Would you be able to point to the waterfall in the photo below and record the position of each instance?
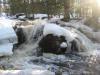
(84, 44)
(37, 32)
(83, 40)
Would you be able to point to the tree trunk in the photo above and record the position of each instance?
(66, 10)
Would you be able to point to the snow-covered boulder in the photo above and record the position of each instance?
(7, 37)
(70, 34)
(56, 39)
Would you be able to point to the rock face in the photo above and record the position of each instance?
(52, 44)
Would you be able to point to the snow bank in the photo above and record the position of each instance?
(6, 49)
(22, 17)
(40, 15)
(58, 31)
(7, 33)
(4, 22)
(7, 37)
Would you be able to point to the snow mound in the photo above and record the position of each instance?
(7, 37)
(6, 49)
(5, 22)
(58, 31)
(70, 34)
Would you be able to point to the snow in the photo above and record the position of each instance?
(39, 16)
(86, 43)
(56, 18)
(5, 22)
(7, 37)
(7, 33)
(83, 32)
(6, 49)
(63, 45)
(22, 17)
(58, 31)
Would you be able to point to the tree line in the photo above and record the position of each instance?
(69, 8)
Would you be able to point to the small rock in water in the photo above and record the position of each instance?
(39, 52)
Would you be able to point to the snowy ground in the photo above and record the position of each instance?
(25, 57)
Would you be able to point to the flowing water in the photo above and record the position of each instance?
(24, 56)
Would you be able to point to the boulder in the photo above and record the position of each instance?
(52, 44)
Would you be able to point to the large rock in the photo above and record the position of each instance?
(53, 44)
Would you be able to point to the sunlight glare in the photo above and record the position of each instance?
(98, 2)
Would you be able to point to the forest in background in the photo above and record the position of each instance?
(75, 8)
